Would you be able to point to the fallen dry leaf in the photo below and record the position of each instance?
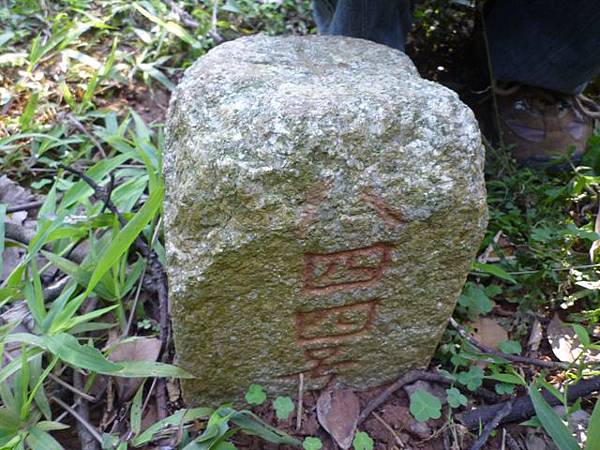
(565, 343)
(488, 332)
(338, 412)
(139, 349)
(535, 337)
(173, 390)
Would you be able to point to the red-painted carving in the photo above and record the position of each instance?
(336, 324)
(345, 270)
(390, 216)
(314, 198)
(323, 364)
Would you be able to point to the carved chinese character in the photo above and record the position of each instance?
(324, 363)
(335, 325)
(345, 270)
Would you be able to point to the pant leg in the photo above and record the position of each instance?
(383, 21)
(553, 44)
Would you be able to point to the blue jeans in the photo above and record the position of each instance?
(553, 44)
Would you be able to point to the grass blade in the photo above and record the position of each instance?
(125, 238)
(551, 422)
(68, 349)
(174, 420)
(144, 369)
(2, 220)
(40, 439)
(593, 432)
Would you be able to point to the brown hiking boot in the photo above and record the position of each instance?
(542, 125)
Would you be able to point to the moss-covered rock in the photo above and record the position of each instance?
(323, 205)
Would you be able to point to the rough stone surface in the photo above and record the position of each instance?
(323, 205)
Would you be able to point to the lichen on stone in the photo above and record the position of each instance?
(323, 205)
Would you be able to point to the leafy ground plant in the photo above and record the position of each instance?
(84, 282)
(84, 332)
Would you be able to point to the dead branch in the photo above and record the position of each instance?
(512, 358)
(53, 291)
(522, 407)
(24, 207)
(492, 425)
(99, 192)
(407, 378)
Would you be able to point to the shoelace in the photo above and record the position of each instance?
(588, 106)
(584, 104)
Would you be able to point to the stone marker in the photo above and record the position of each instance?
(323, 206)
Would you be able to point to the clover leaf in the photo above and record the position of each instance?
(283, 407)
(312, 443)
(455, 398)
(472, 379)
(362, 441)
(256, 395)
(475, 300)
(510, 347)
(504, 388)
(424, 406)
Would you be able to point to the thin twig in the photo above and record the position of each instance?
(513, 358)
(185, 18)
(390, 429)
(66, 413)
(86, 438)
(135, 303)
(214, 32)
(492, 425)
(109, 190)
(555, 269)
(71, 118)
(73, 389)
(416, 375)
(24, 207)
(78, 417)
(300, 402)
(99, 192)
(149, 395)
(512, 443)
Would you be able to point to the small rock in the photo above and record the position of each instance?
(419, 429)
(578, 422)
(538, 441)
